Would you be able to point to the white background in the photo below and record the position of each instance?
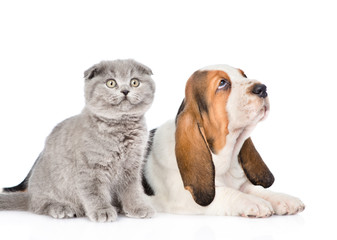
(45, 46)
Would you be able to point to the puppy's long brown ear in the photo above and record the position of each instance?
(194, 159)
(255, 169)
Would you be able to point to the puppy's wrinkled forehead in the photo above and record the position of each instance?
(206, 81)
(233, 73)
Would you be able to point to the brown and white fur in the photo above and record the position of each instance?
(204, 161)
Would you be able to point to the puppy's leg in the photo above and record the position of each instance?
(133, 201)
(232, 202)
(283, 204)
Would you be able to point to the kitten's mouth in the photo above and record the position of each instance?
(124, 100)
(128, 101)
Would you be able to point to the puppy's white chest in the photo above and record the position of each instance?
(229, 172)
(222, 164)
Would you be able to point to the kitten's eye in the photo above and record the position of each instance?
(134, 82)
(111, 83)
(224, 83)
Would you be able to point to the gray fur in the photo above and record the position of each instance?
(91, 163)
(14, 201)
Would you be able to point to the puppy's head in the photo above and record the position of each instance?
(218, 100)
(229, 96)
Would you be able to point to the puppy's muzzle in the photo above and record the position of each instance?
(260, 90)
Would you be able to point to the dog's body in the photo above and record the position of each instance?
(208, 150)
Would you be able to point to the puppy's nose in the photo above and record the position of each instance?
(125, 92)
(260, 90)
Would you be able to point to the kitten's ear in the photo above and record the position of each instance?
(142, 68)
(146, 69)
(91, 72)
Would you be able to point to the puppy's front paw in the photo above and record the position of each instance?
(255, 207)
(140, 212)
(284, 204)
(103, 215)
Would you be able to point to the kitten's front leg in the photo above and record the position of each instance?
(96, 199)
(133, 201)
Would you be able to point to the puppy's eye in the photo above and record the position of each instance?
(134, 82)
(224, 83)
(111, 83)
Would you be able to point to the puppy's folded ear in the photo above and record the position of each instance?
(194, 159)
(255, 169)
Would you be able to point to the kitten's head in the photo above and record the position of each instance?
(118, 88)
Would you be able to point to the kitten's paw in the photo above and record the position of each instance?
(60, 211)
(255, 207)
(103, 215)
(284, 204)
(140, 212)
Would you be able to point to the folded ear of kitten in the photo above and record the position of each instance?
(91, 163)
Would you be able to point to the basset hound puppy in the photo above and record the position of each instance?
(204, 162)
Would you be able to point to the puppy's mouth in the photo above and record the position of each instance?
(265, 110)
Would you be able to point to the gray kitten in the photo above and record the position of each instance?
(91, 163)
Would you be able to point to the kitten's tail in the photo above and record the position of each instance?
(24, 184)
(14, 201)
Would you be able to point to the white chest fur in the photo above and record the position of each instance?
(228, 171)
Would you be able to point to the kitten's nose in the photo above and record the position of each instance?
(125, 92)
